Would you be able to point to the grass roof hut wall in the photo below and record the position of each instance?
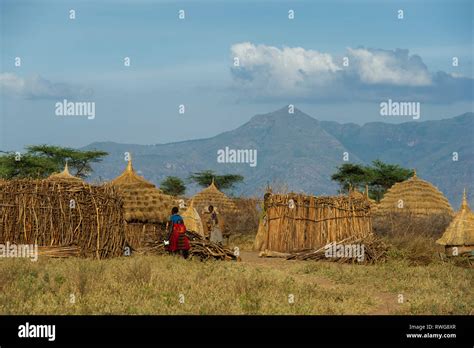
(224, 206)
(295, 222)
(58, 213)
(459, 236)
(212, 196)
(146, 207)
(414, 205)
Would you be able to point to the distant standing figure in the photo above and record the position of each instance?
(177, 241)
(215, 230)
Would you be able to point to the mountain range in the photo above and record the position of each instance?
(299, 153)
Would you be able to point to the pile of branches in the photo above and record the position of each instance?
(200, 248)
(375, 251)
(59, 251)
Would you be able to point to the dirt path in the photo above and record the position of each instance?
(388, 303)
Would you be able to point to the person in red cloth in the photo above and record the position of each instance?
(177, 242)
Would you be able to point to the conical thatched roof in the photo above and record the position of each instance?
(461, 230)
(130, 177)
(64, 176)
(192, 220)
(212, 196)
(419, 198)
(142, 201)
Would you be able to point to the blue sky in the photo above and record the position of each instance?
(190, 61)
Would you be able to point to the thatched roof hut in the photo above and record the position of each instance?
(460, 232)
(143, 201)
(212, 196)
(64, 176)
(414, 196)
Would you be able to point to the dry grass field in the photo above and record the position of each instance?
(170, 285)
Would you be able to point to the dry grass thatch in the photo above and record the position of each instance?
(64, 176)
(64, 213)
(143, 201)
(416, 197)
(460, 231)
(212, 196)
(295, 222)
(192, 220)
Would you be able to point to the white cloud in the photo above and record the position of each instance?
(37, 87)
(272, 72)
(288, 69)
(11, 83)
(389, 67)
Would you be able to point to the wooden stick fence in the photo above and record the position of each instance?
(49, 213)
(297, 222)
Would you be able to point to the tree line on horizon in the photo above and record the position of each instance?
(40, 161)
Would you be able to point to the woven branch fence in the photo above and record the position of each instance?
(49, 213)
(138, 235)
(295, 222)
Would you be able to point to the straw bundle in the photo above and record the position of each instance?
(416, 197)
(297, 222)
(212, 196)
(460, 232)
(62, 213)
(192, 220)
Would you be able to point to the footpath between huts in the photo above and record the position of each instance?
(386, 302)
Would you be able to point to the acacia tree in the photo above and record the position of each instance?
(351, 175)
(383, 176)
(379, 177)
(173, 186)
(223, 182)
(40, 161)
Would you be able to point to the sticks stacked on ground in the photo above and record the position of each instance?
(59, 251)
(200, 247)
(374, 250)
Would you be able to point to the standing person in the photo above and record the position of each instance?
(215, 230)
(177, 241)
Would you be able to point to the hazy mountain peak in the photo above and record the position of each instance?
(282, 117)
(302, 153)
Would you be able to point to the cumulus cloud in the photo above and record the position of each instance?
(287, 68)
(389, 67)
(37, 87)
(272, 72)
